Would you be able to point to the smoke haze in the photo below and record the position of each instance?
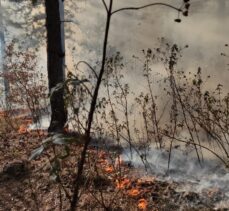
(205, 31)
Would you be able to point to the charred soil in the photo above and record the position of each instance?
(108, 182)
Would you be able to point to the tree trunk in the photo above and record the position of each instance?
(56, 61)
(2, 69)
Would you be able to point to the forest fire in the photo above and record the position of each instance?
(18, 116)
(104, 162)
(23, 128)
(109, 169)
(122, 184)
(124, 120)
(142, 204)
(134, 192)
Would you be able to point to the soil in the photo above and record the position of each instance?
(108, 183)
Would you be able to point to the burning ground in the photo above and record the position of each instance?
(110, 181)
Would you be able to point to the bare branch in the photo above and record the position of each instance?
(91, 68)
(88, 90)
(199, 145)
(145, 6)
(105, 5)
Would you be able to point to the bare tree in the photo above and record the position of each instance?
(183, 9)
(56, 61)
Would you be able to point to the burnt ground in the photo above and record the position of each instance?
(108, 183)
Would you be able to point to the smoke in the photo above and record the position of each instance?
(204, 31)
(42, 124)
(185, 169)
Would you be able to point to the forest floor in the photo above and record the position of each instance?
(107, 184)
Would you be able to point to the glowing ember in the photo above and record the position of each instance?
(123, 183)
(142, 204)
(22, 129)
(134, 192)
(108, 169)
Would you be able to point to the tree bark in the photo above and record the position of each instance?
(3, 70)
(56, 62)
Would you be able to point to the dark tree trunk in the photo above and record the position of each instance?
(56, 62)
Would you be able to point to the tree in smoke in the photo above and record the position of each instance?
(110, 12)
(56, 61)
(31, 26)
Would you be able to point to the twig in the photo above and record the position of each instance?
(196, 144)
(91, 68)
(60, 198)
(77, 181)
(145, 6)
(105, 5)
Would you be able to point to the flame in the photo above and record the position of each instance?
(102, 159)
(134, 192)
(142, 204)
(108, 169)
(123, 183)
(22, 129)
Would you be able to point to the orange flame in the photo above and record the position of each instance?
(22, 129)
(134, 192)
(142, 204)
(108, 169)
(123, 183)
